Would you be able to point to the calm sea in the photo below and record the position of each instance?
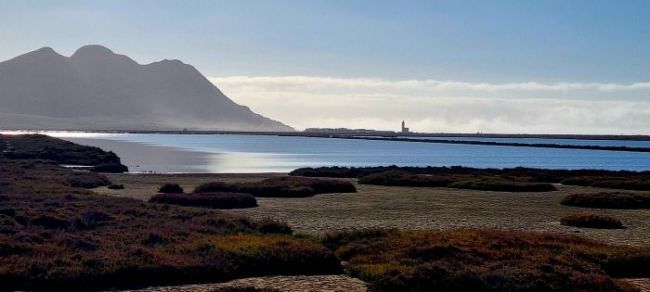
(255, 153)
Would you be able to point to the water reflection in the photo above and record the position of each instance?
(250, 153)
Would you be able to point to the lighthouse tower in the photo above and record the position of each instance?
(405, 130)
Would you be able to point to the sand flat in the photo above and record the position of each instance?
(408, 207)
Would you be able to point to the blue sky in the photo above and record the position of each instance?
(477, 42)
(495, 41)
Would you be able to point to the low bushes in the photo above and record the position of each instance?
(402, 178)
(608, 200)
(503, 186)
(55, 237)
(530, 174)
(271, 226)
(588, 220)
(209, 200)
(629, 180)
(281, 187)
(625, 183)
(87, 180)
(482, 260)
(116, 187)
(171, 189)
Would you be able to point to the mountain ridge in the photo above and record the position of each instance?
(97, 89)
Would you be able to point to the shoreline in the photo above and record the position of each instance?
(623, 137)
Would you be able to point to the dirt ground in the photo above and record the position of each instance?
(329, 283)
(408, 208)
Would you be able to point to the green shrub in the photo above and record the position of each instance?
(588, 220)
(608, 200)
(209, 200)
(170, 189)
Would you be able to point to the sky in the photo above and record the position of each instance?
(443, 66)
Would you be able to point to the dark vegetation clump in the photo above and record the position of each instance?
(209, 200)
(171, 189)
(608, 200)
(485, 260)
(630, 180)
(110, 168)
(499, 184)
(531, 174)
(41, 147)
(402, 178)
(588, 220)
(292, 187)
(623, 183)
(271, 226)
(116, 187)
(87, 180)
(56, 236)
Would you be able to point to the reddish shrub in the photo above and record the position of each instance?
(481, 260)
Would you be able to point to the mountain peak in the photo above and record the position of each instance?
(101, 55)
(44, 54)
(92, 51)
(44, 51)
(43, 89)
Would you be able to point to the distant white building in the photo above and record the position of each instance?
(405, 130)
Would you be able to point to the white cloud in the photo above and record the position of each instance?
(449, 106)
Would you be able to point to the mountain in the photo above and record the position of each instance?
(96, 89)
